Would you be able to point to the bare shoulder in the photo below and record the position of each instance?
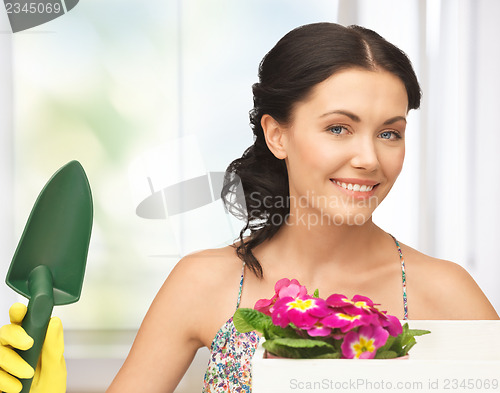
(181, 319)
(440, 289)
(205, 272)
(208, 283)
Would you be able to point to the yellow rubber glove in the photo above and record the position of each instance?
(11, 364)
(50, 374)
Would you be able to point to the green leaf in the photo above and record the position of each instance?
(247, 319)
(386, 355)
(295, 349)
(418, 332)
(279, 350)
(406, 339)
(273, 331)
(338, 345)
(316, 293)
(396, 345)
(329, 355)
(388, 344)
(301, 343)
(403, 338)
(408, 346)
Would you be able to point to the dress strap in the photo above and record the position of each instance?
(241, 285)
(403, 276)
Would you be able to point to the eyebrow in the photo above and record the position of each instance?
(357, 119)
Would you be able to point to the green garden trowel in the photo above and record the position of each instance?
(49, 262)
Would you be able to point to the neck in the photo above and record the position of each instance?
(310, 249)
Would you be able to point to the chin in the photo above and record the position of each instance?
(351, 219)
(340, 218)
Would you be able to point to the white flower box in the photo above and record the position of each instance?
(458, 356)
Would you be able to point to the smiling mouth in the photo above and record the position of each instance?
(354, 187)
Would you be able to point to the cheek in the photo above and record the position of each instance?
(308, 155)
(323, 153)
(393, 163)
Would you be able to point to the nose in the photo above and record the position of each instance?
(364, 154)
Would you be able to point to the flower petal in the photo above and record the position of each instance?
(284, 282)
(363, 344)
(336, 300)
(393, 326)
(265, 305)
(318, 330)
(363, 299)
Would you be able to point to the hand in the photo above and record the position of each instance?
(50, 374)
(11, 364)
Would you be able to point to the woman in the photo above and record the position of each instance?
(329, 121)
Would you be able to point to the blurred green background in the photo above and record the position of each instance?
(109, 82)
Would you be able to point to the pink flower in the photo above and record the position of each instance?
(304, 312)
(358, 305)
(357, 321)
(363, 303)
(391, 324)
(292, 288)
(283, 288)
(265, 305)
(345, 321)
(338, 301)
(388, 322)
(363, 344)
(319, 330)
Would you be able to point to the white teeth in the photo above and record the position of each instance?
(355, 187)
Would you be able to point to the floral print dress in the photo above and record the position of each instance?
(231, 352)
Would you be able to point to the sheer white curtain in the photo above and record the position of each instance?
(461, 138)
(483, 180)
(7, 296)
(446, 197)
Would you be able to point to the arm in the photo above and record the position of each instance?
(168, 337)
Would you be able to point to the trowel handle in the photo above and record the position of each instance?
(37, 318)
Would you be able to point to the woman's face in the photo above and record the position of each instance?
(345, 145)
